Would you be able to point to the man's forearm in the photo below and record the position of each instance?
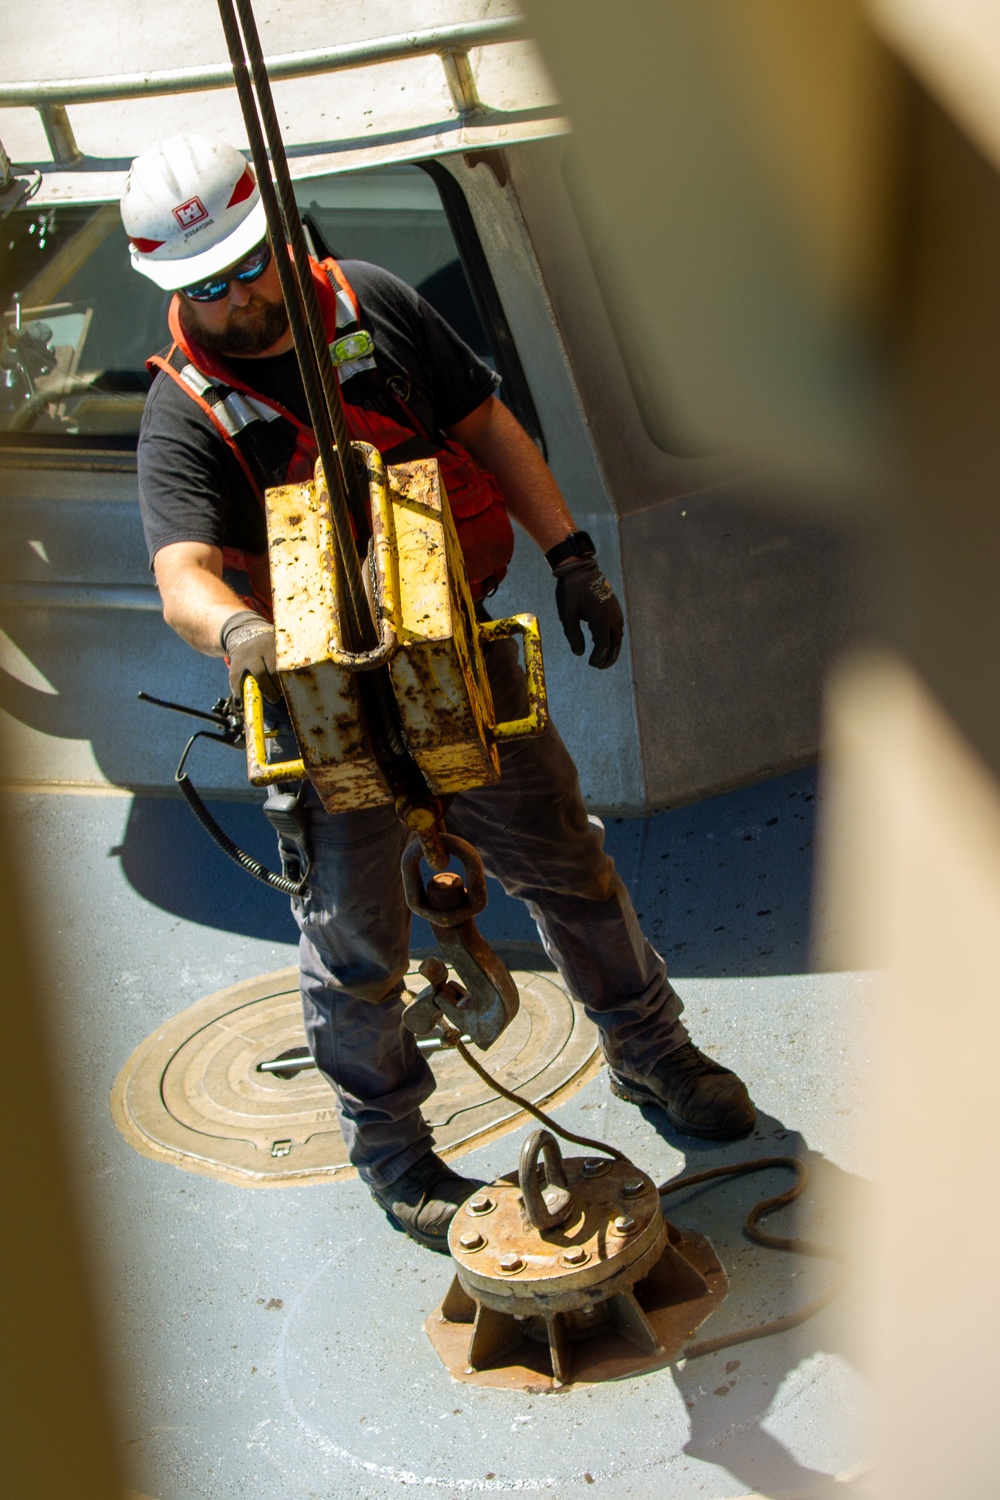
(496, 439)
(200, 619)
(196, 600)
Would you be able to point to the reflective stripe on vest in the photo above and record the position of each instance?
(234, 410)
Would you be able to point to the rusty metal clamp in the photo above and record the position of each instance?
(537, 719)
(385, 593)
(449, 905)
(552, 1205)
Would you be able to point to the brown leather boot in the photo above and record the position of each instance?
(424, 1200)
(699, 1096)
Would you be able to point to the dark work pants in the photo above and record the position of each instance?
(534, 835)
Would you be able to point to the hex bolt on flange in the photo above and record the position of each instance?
(568, 1286)
(595, 1166)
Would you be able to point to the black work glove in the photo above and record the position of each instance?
(583, 593)
(248, 641)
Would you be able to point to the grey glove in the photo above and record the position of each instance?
(584, 594)
(248, 641)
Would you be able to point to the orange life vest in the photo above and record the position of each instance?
(273, 447)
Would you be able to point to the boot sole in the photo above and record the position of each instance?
(439, 1244)
(636, 1093)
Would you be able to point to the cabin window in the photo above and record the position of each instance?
(77, 326)
(78, 323)
(414, 221)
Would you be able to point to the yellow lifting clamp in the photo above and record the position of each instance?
(382, 669)
(429, 642)
(429, 639)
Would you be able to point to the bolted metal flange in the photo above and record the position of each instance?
(599, 1279)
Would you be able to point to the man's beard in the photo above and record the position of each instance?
(250, 330)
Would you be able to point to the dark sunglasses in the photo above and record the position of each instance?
(255, 264)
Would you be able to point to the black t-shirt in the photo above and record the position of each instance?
(191, 487)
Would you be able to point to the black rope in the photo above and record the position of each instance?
(772, 1241)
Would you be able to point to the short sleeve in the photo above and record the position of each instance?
(190, 486)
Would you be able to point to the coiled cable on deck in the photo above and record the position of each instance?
(770, 1241)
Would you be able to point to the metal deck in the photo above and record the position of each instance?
(270, 1342)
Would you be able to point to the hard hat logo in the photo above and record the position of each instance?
(191, 213)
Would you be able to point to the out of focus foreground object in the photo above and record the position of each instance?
(823, 250)
(732, 171)
(57, 1438)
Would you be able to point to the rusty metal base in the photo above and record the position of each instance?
(685, 1286)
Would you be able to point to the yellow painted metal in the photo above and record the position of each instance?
(438, 674)
(537, 718)
(261, 771)
(318, 674)
(428, 637)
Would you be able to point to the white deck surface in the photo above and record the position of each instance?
(269, 1342)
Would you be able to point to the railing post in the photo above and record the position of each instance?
(14, 190)
(59, 134)
(461, 83)
(6, 173)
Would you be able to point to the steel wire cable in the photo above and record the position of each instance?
(451, 1038)
(351, 478)
(293, 275)
(321, 386)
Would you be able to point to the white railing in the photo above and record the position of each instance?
(451, 43)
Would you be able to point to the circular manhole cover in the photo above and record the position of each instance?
(192, 1094)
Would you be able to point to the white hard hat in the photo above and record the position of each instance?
(191, 208)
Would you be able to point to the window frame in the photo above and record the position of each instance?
(487, 299)
(16, 445)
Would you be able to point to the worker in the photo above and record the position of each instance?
(226, 417)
